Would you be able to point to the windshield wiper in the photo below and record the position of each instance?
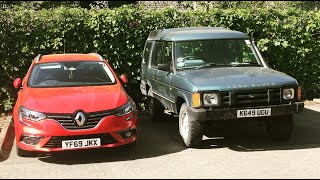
(209, 65)
(246, 64)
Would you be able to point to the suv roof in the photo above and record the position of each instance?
(195, 33)
(68, 57)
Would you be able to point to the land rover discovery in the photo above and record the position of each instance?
(209, 75)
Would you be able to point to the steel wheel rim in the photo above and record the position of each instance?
(185, 125)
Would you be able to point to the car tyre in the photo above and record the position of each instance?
(23, 153)
(191, 131)
(131, 145)
(155, 108)
(280, 127)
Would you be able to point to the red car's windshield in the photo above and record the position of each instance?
(63, 74)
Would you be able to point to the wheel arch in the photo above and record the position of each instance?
(180, 99)
(147, 88)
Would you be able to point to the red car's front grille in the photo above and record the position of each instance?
(68, 122)
(56, 141)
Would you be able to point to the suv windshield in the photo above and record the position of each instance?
(215, 53)
(61, 74)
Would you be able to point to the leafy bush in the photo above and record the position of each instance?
(289, 39)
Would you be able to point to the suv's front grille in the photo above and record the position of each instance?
(56, 141)
(67, 121)
(251, 97)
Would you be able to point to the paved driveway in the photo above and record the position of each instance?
(244, 153)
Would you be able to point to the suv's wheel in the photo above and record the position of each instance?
(155, 108)
(190, 131)
(23, 153)
(280, 127)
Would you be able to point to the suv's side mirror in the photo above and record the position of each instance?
(255, 35)
(164, 67)
(123, 79)
(17, 83)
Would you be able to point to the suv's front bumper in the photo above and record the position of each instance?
(231, 113)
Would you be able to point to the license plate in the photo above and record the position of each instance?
(81, 143)
(254, 112)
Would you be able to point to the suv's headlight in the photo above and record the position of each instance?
(210, 99)
(126, 109)
(288, 93)
(30, 115)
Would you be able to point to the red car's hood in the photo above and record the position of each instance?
(70, 99)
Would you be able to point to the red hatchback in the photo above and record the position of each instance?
(72, 101)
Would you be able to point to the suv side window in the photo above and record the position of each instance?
(157, 54)
(146, 52)
(167, 54)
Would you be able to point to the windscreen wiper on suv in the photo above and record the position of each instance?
(245, 64)
(209, 65)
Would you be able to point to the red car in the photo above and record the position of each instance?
(72, 101)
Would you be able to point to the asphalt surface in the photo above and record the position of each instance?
(245, 152)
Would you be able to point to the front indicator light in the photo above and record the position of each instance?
(196, 101)
(299, 93)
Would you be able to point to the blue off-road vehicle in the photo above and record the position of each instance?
(212, 75)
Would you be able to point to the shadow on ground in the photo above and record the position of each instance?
(162, 138)
(6, 139)
(155, 139)
(252, 137)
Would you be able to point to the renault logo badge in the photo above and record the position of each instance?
(80, 118)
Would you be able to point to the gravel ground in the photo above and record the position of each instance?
(2, 120)
(315, 101)
(243, 153)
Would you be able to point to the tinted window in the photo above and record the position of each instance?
(70, 74)
(167, 53)
(157, 54)
(147, 51)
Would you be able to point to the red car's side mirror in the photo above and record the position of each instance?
(123, 78)
(17, 83)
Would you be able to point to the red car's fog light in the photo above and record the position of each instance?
(30, 140)
(127, 133)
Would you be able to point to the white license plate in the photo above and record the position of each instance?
(81, 143)
(254, 112)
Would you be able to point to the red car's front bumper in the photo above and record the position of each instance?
(110, 129)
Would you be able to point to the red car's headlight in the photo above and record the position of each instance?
(30, 115)
(127, 108)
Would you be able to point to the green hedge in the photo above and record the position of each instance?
(289, 39)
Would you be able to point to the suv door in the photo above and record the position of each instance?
(164, 75)
(156, 54)
(145, 75)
